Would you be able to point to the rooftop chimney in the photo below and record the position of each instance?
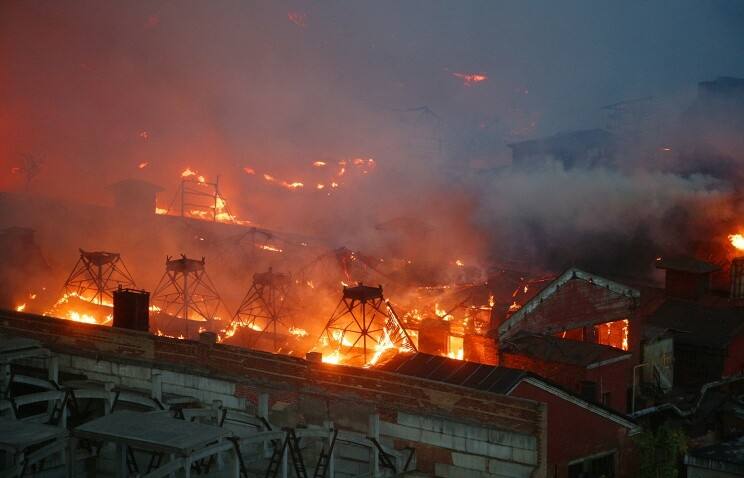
(132, 309)
(686, 277)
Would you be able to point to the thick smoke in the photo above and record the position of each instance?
(90, 90)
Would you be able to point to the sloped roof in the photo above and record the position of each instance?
(556, 349)
(489, 378)
(456, 372)
(686, 264)
(697, 324)
(552, 288)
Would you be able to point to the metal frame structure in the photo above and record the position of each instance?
(99, 272)
(185, 291)
(193, 193)
(267, 301)
(363, 314)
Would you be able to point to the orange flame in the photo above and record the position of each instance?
(737, 240)
(470, 79)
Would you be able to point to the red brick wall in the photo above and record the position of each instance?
(613, 378)
(576, 304)
(574, 433)
(568, 376)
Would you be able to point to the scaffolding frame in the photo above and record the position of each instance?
(99, 272)
(185, 291)
(267, 300)
(363, 314)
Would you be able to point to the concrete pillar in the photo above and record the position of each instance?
(53, 372)
(263, 412)
(109, 388)
(4, 380)
(332, 456)
(157, 387)
(374, 454)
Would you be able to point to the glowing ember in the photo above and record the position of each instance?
(298, 18)
(268, 247)
(319, 164)
(143, 164)
(249, 170)
(160, 333)
(20, 308)
(459, 263)
(514, 307)
(470, 79)
(737, 240)
(187, 173)
(161, 211)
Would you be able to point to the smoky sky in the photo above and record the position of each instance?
(95, 88)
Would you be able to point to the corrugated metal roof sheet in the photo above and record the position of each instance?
(455, 372)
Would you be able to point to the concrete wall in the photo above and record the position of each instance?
(455, 431)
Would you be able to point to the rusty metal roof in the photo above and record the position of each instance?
(455, 372)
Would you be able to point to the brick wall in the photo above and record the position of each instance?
(458, 429)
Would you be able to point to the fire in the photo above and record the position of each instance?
(249, 170)
(459, 263)
(339, 337)
(380, 348)
(160, 333)
(737, 240)
(161, 211)
(470, 79)
(20, 308)
(143, 164)
(285, 184)
(296, 331)
(319, 164)
(333, 358)
(441, 313)
(625, 335)
(86, 318)
(514, 307)
(268, 247)
(187, 173)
